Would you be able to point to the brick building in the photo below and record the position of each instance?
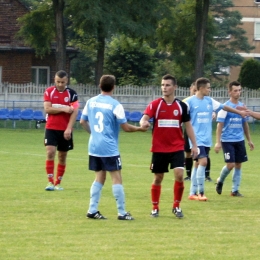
(18, 63)
(250, 10)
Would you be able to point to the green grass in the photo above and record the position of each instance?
(35, 224)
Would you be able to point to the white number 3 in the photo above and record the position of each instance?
(100, 127)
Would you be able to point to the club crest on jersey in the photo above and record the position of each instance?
(66, 99)
(175, 112)
(208, 107)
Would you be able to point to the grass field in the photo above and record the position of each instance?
(35, 224)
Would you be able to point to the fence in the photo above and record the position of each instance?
(134, 96)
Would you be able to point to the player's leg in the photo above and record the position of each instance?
(188, 157)
(240, 157)
(207, 170)
(194, 185)
(229, 157)
(63, 147)
(177, 163)
(95, 164)
(159, 165)
(50, 147)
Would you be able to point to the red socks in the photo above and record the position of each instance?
(178, 189)
(60, 173)
(155, 195)
(49, 166)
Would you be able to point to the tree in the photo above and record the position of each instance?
(187, 25)
(130, 61)
(201, 21)
(44, 25)
(249, 74)
(101, 20)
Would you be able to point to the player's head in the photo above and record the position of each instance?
(203, 86)
(61, 79)
(233, 83)
(107, 83)
(193, 89)
(234, 89)
(170, 77)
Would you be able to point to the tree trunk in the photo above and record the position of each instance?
(58, 7)
(100, 53)
(202, 10)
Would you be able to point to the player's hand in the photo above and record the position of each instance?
(217, 147)
(251, 145)
(194, 152)
(68, 109)
(241, 108)
(67, 134)
(145, 125)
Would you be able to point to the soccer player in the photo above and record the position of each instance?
(201, 107)
(188, 156)
(61, 106)
(230, 136)
(102, 117)
(167, 149)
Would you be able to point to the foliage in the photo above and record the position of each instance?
(249, 74)
(176, 35)
(38, 28)
(130, 61)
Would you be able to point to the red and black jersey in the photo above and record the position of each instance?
(59, 99)
(167, 128)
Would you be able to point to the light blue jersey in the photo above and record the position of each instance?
(201, 118)
(105, 115)
(233, 130)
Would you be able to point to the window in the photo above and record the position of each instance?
(257, 31)
(40, 75)
(222, 71)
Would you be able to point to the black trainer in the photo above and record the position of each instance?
(96, 215)
(219, 186)
(187, 178)
(177, 212)
(154, 213)
(208, 179)
(236, 194)
(127, 216)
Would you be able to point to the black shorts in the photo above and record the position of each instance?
(186, 142)
(161, 161)
(203, 151)
(105, 163)
(56, 138)
(234, 152)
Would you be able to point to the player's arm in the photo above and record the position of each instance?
(254, 114)
(85, 125)
(71, 123)
(217, 147)
(248, 137)
(242, 113)
(49, 109)
(191, 135)
(132, 128)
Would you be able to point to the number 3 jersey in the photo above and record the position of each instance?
(167, 128)
(105, 115)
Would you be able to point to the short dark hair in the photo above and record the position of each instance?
(61, 74)
(172, 78)
(201, 82)
(233, 83)
(107, 82)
